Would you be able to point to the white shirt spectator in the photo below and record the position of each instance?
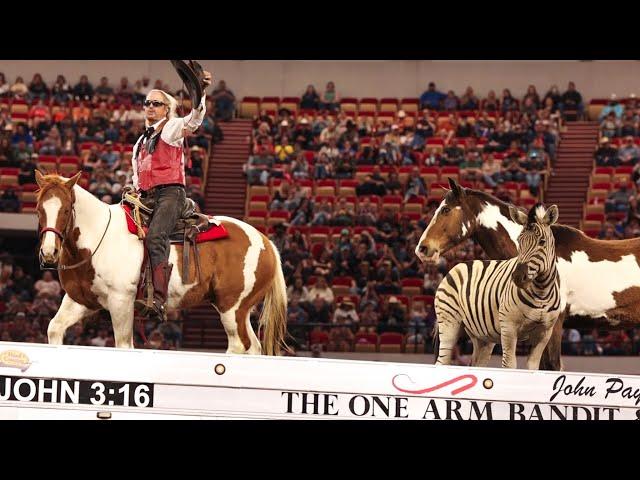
(325, 293)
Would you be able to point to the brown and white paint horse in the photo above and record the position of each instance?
(600, 280)
(237, 272)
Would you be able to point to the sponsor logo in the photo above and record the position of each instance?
(15, 359)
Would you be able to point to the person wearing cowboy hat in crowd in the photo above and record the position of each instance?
(163, 144)
(605, 155)
(613, 106)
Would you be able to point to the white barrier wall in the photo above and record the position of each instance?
(359, 77)
(43, 381)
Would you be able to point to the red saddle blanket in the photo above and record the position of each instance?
(214, 232)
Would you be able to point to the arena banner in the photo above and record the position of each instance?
(45, 381)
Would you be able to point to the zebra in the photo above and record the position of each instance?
(503, 300)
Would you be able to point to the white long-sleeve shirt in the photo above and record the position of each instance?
(172, 133)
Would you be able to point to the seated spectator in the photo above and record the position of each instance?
(259, 168)
(628, 153)
(39, 112)
(471, 167)
(491, 103)
(610, 126)
(319, 311)
(310, 99)
(572, 100)
(83, 90)
(605, 155)
(532, 95)
(629, 125)
(345, 313)
(369, 317)
(124, 93)
(101, 184)
(49, 285)
(367, 212)
(323, 265)
(453, 154)
(343, 214)
(512, 171)
(295, 313)
(22, 135)
(302, 134)
(283, 150)
(618, 200)
(431, 98)
(280, 238)
(491, 171)
(9, 201)
(508, 102)
(322, 290)
(224, 101)
(4, 86)
(37, 88)
(142, 89)
(19, 89)
(340, 338)
(323, 167)
(27, 173)
(303, 212)
(298, 291)
(469, 101)
(415, 186)
(110, 156)
(451, 102)
(552, 98)
(612, 107)
(330, 100)
(393, 317)
(103, 92)
(535, 169)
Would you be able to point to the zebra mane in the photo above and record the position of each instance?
(537, 213)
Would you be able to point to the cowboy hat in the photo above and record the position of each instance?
(192, 76)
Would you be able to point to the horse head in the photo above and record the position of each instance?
(55, 211)
(453, 221)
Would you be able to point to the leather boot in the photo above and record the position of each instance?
(160, 276)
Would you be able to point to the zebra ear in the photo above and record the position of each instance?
(517, 215)
(552, 215)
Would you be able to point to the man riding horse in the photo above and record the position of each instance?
(159, 172)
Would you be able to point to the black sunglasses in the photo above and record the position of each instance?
(155, 103)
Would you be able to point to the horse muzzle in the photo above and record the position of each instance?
(49, 261)
(427, 254)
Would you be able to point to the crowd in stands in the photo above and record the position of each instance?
(64, 128)
(617, 170)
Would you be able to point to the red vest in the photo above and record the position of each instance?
(164, 166)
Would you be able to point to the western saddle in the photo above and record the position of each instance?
(189, 225)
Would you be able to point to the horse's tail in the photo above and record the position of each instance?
(273, 318)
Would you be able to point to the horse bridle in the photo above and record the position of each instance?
(62, 237)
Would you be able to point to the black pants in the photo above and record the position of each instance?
(169, 203)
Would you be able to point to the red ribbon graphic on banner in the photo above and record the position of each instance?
(472, 381)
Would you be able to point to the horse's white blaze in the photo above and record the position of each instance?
(589, 286)
(51, 208)
(250, 259)
(426, 230)
(490, 217)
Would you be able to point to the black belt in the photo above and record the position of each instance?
(152, 191)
